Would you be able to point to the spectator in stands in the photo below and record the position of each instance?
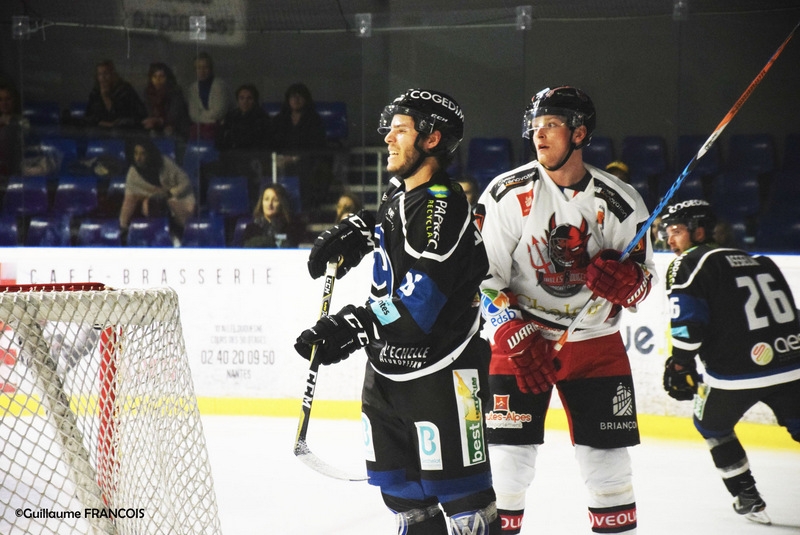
(620, 170)
(273, 225)
(299, 131)
(347, 205)
(298, 125)
(208, 99)
(155, 186)
(11, 132)
(113, 102)
(470, 187)
(724, 235)
(167, 111)
(245, 137)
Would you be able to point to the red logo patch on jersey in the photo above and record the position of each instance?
(501, 402)
(525, 202)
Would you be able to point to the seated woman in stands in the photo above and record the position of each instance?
(155, 186)
(113, 102)
(167, 112)
(273, 224)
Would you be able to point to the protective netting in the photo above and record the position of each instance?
(99, 426)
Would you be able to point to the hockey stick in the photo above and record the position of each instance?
(301, 449)
(688, 169)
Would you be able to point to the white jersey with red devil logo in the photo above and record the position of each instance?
(540, 238)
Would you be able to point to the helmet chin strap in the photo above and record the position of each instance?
(563, 160)
(416, 165)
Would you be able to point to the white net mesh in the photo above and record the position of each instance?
(99, 426)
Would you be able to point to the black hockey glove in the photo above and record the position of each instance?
(681, 384)
(336, 336)
(351, 239)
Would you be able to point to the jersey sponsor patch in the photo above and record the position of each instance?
(495, 307)
(385, 311)
(616, 204)
(473, 442)
(430, 446)
(503, 417)
(761, 353)
(369, 445)
(525, 202)
(510, 183)
(439, 191)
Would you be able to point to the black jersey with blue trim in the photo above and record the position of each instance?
(737, 312)
(428, 265)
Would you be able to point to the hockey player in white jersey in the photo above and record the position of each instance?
(553, 230)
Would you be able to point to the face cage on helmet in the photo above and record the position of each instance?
(572, 118)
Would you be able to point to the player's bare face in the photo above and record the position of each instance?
(679, 239)
(551, 138)
(400, 142)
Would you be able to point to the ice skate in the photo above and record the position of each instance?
(750, 504)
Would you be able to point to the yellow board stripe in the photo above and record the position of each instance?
(650, 426)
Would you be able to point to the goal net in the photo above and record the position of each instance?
(99, 426)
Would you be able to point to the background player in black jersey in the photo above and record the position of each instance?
(737, 313)
(426, 381)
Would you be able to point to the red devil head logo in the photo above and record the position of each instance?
(568, 243)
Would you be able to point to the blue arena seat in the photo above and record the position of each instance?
(227, 196)
(9, 230)
(99, 233)
(735, 195)
(26, 196)
(65, 149)
(709, 164)
(238, 231)
(76, 196)
(600, 152)
(334, 116)
(149, 232)
(488, 157)
(105, 147)
(42, 113)
(272, 108)
(166, 145)
(779, 230)
(49, 231)
(791, 152)
(645, 154)
(196, 154)
(752, 152)
(292, 186)
(204, 231)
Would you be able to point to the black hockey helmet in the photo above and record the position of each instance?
(694, 213)
(566, 101)
(431, 110)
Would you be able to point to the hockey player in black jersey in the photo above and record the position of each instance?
(736, 312)
(426, 380)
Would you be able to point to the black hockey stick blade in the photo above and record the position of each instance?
(645, 228)
(301, 449)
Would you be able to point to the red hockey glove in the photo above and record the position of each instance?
(621, 283)
(529, 355)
